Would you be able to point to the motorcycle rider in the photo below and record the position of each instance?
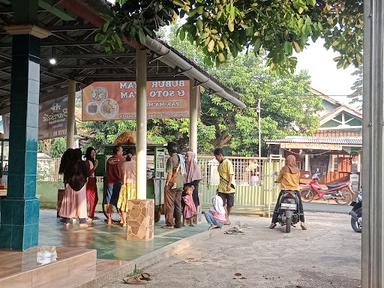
(289, 179)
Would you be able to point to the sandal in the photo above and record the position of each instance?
(167, 227)
(145, 276)
(134, 280)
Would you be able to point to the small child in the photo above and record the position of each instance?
(216, 215)
(189, 211)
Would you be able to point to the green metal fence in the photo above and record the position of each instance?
(256, 190)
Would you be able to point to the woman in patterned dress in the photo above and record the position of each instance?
(128, 189)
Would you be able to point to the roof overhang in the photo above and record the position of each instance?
(81, 58)
(172, 57)
(317, 143)
(311, 146)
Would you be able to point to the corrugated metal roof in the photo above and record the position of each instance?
(318, 140)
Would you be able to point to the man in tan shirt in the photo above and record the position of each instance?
(226, 188)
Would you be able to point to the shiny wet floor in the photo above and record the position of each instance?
(109, 241)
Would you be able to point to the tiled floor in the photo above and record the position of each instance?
(75, 264)
(109, 241)
(24, 269)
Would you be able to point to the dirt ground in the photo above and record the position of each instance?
(327, 255)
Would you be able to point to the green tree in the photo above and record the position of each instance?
(99, 133)
(228, 27)
(59, 145)
(53, 147)
(357, 95)
(287, 106)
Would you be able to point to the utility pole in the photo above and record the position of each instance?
(259, 123)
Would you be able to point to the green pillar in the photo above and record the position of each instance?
(19, 227)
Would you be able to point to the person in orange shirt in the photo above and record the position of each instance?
(289, 179)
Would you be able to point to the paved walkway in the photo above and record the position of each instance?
(326, 207)
(325, 256)
(109, 241)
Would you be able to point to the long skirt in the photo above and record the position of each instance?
(74, 203)
(92, 197)
(127, 192)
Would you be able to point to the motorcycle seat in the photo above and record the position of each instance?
(337, 184)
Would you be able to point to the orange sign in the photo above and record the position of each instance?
(116, 100)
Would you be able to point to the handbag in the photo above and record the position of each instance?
(172, 181)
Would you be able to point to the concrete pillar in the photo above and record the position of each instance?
(194, 115)
(141, 123)
(372, 257)
(71, 113)
(141, 211)
(306, 163)
(19, 227)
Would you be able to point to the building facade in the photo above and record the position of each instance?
(334, 150)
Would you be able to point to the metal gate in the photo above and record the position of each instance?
(256, 191)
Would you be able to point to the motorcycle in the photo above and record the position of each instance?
(288, 214)
(357, 213)
(341, 192)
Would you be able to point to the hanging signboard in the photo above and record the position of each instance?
(52, 119)
(116, 100)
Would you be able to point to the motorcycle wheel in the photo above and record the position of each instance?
(354, 223)
(306, 195)
(346, 197)
(288, 225)
(288, 221)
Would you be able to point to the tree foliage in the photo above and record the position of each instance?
(357, 95)
(287, 108)
(224, 28)
(53, 147)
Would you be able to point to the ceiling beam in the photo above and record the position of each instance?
(71, 28)
(108, 77)
(57, 44)
(57, 11)
(87, 67)
(97, 55)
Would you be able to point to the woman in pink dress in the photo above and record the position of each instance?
(75, 172)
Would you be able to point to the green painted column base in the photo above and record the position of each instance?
(19, 223)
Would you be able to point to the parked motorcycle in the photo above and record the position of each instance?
(357, 213)
(341, 192)
(288, 211)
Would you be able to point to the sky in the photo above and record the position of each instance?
(326, 78)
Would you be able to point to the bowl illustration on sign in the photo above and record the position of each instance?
(109, 108)
(92, 108)
(99, 94)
